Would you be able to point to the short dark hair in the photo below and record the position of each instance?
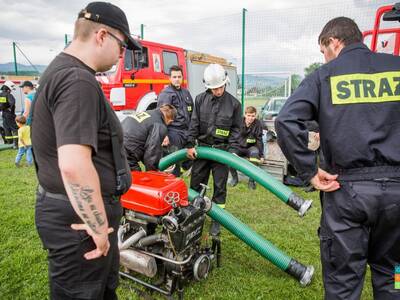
(168, 111)
(175, 68)
(20, 119)
(341, 28)
(250, 110)
(84, 28)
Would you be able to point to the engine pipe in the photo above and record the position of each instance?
(283, 192)
(151, 239)
(131, 240)
(265, 248)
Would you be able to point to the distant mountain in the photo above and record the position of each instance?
(262, 80)
(9, 67)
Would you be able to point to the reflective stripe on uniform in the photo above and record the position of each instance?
(149, 81)
(254, 159)
(365, 88)
(140, 117)
(3, 99)
(250, 141)
(10, 137)
(222, 132)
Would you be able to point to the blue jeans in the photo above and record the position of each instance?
(24, 150)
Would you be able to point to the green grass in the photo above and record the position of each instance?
(244, 274)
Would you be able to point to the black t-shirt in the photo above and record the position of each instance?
(70, 109)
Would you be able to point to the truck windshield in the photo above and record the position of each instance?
(277, 104)
(128, 63)
(132, 59)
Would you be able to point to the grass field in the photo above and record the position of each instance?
(244, 274)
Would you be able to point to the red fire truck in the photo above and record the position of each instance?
(387, 39)
(139, 76)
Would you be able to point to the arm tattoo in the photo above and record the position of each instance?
(82, 195)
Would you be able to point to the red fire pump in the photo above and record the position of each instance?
(160, 235)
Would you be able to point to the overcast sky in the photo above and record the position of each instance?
(281, 34)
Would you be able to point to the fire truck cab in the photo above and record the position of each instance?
(385, 37)
(139, 76)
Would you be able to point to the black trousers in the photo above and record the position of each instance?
(177, 141)
(360, 225)
(201, 172)
(251, 152)
(71, 276)
(10, 128)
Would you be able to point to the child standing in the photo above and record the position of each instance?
(24, 141)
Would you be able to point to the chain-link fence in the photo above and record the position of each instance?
(279, 43)
(260, 87)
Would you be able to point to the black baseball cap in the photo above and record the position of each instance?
(110, 15)
(26, 83)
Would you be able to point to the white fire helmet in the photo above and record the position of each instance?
(9, 84)
(215, 76)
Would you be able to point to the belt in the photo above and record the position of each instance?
(106, 198)
(43, 192)
(368, 173)
(216, 146)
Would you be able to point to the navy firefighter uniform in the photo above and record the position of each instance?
(355, 98)
(178, 130)
(183, 102)
(215, 123)
(250, 142)
(143, 135)
(249, 145)
(7, 108)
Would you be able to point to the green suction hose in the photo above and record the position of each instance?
(265, 248)
(263, 178)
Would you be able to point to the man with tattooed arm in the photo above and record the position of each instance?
(77, 142)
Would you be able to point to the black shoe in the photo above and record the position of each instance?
(215, 228)
(233, 182)
(309, 189)
(252, 184)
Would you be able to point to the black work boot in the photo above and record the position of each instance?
(15, 140)
(309, 189)
(215, 228)
(233, 181)
(252, 184)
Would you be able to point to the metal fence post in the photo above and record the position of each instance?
(243, 51)
(15, 59)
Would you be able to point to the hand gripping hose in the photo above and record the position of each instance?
(263, 178)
